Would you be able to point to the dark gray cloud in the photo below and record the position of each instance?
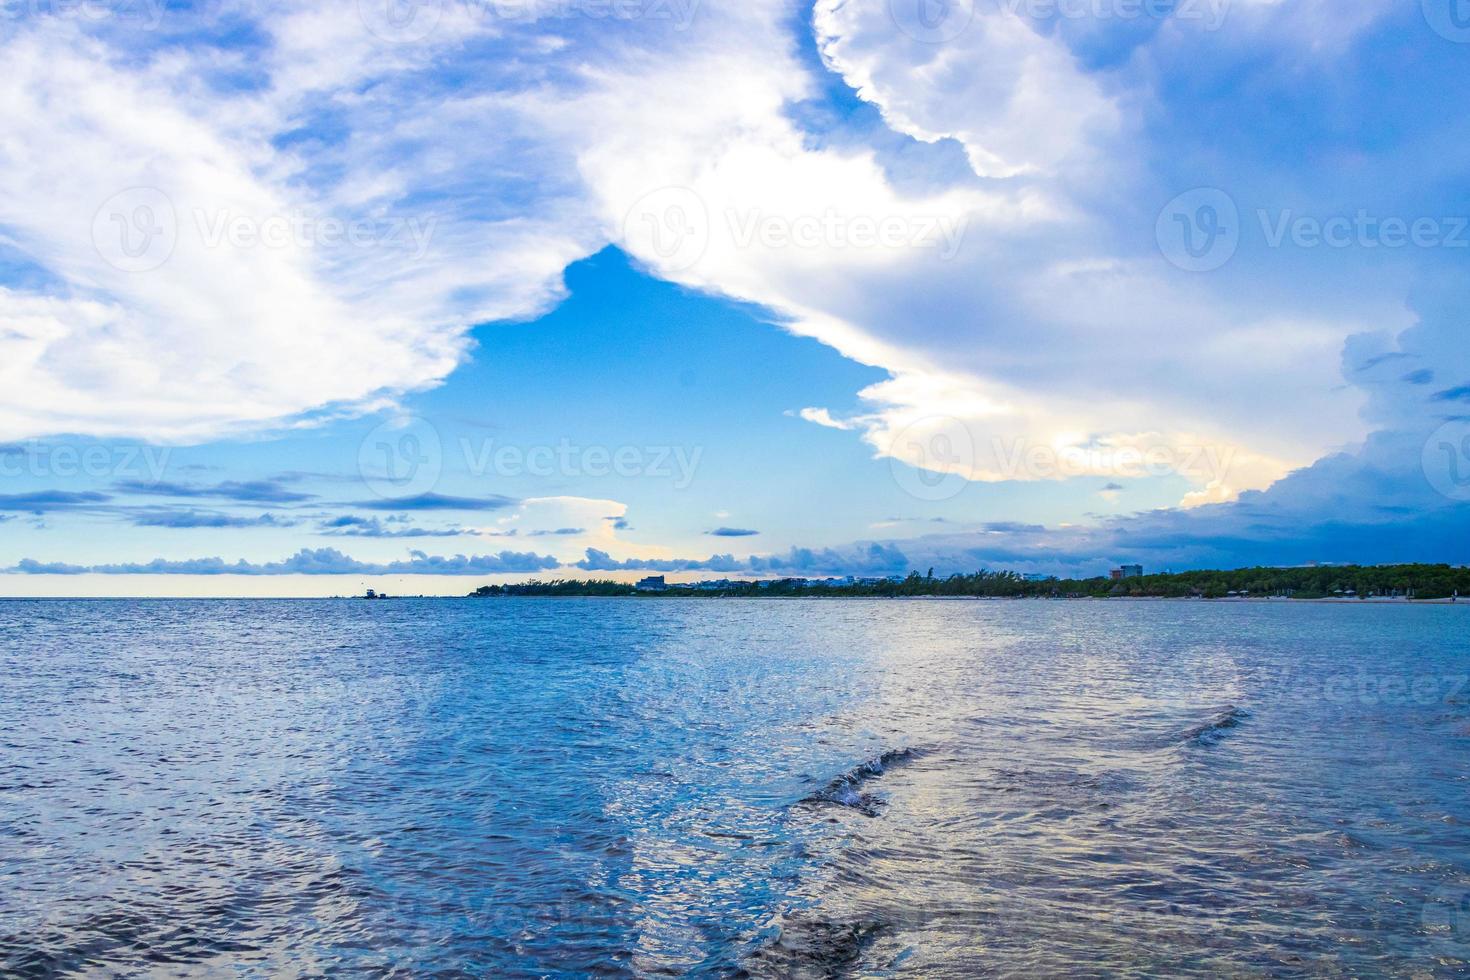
(601, 561)
(244, 492)
(732, 532)
(320, 561)
(869, 558)
(436, 501)
(194, 518)
(41, 501)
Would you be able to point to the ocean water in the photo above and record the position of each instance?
(631, 788)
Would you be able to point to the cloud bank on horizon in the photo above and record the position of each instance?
(1222, 242)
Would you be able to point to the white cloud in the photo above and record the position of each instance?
(203, 280)
(1018, 102)
(1026, 302)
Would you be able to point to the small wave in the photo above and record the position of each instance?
(816, 948)
(847, 789)
(1216, 728)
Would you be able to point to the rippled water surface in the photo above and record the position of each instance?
(613, 787)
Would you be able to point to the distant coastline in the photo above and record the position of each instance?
(1387, 584)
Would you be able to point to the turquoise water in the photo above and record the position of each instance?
(611, 787)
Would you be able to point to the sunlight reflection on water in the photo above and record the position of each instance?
(563, 787)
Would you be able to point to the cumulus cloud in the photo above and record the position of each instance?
(208, 271)
(1029, 316)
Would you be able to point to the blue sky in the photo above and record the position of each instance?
(421, 295)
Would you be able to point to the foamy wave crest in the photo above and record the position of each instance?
(847, 789)
(1217, 727)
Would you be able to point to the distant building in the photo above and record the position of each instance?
(654, 583)
(1127, 571)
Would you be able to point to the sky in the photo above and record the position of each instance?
(305, 298)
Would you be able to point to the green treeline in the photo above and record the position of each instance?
(1418, 581)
